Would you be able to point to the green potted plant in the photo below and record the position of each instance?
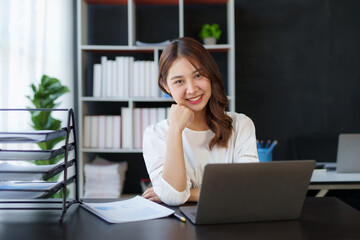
(210, 33)
(44, 97)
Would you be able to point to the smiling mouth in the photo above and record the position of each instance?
(195, 99)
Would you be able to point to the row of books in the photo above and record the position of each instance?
(104, 179)
(124, 77)
(125, 131)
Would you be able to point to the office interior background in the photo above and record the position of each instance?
(297, 71)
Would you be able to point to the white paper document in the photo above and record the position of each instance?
(23, 189)
(131, 210)
(11, 172)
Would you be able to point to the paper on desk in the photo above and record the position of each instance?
(131, 210)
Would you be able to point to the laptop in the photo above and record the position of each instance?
(251, 192)
(348, 155)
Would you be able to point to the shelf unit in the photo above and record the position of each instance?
(112, 28)
(25, 187)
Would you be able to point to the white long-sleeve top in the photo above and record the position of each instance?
(241, 148)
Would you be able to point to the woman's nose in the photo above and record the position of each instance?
(191, 87)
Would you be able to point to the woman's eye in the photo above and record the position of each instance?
(178, 81)
(197, 76)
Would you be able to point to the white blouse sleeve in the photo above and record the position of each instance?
(245, 140)
(154, 147)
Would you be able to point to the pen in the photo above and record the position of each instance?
(258, 144)
(180, 218)
(268, 143)
(273, 145)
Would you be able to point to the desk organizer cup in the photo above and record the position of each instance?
(265, 151)
(265, 155)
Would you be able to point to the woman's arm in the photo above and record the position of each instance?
(174, 171)
(151, 195)
(245, 144)
(194, 195)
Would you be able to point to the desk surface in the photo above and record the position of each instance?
(321, 218)
(320, 176)
(325, 180)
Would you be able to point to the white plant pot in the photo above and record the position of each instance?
(210, 41)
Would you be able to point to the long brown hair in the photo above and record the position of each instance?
(217, 119)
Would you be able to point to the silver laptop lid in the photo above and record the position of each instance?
(348, 155)
(251, 192)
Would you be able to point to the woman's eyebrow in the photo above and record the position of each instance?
(180, 76)
(175, 77)
(199, 70)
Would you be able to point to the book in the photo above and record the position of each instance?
(116, 132)
(137, 126)
(128, 77)
(153, 116)
(94, 134)
(154, 80)
(135, 87)
(147, 78)
(145, 121)
(126, 126)
(97, 80)
(109, 78)
(103, 75)
(161, 114)
(130, 210)
(141, 81)
(87, 131)
(114, 80)
(109, 131)
(101, 131)
(120, 65)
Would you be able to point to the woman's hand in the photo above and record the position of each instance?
(151, 195)
(179, 117)
(194, 195)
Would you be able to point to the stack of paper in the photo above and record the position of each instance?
(104, 179)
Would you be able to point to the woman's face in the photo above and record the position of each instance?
(187, 86)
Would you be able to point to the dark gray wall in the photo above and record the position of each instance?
(298, 72)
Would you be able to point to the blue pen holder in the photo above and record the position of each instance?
(265, 154)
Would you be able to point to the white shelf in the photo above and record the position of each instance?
(143, 48)
(88, 52)
(101, 99)
(109, 150)
(120, 48)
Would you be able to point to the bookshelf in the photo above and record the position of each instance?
(112, 28)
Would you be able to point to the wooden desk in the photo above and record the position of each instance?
(324, 181)
(321, 218)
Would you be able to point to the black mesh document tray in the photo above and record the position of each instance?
(27, 186)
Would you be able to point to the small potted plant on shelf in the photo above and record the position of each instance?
(210, 33)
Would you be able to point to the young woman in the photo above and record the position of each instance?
(198, 130)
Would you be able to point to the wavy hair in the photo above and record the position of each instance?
(217, 119)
